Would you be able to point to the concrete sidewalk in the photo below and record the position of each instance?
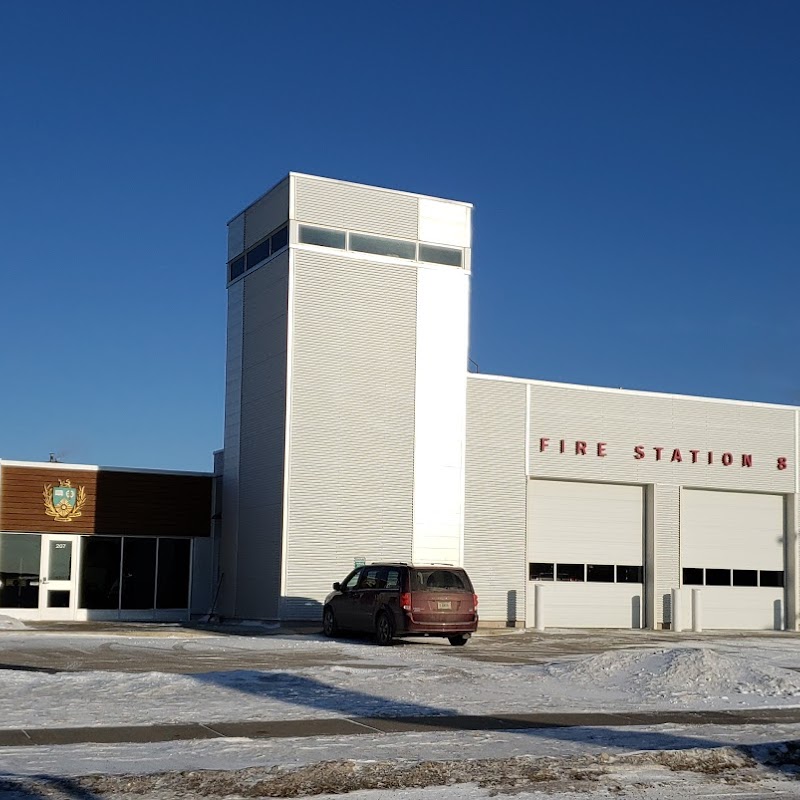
(349, 726)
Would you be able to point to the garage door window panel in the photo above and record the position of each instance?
(745, 577)
(773, 578)
(692, 576)
(541, 572)
(600, 573)
(572, 573)
(718, 577)
(627, 573)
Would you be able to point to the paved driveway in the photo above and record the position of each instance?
(133, 647)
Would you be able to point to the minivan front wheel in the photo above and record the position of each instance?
(384, 630)
(458, 641)
(329, 626)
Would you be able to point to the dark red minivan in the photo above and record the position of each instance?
(394, 599)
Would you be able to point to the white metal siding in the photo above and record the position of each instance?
(351, 421)
(733, 530)
(444, 223)
(440, 423)
(231, 451)
(352, 207)
(267, 214)
(263, 413)
(623, 420)
(666, 547)
(494, 512)
(587, 523)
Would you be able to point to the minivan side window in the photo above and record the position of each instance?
(352, 579)
(371, 578)
(392, 578)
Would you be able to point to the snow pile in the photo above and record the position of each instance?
(678, 673)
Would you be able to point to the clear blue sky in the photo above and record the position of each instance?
(635, 170)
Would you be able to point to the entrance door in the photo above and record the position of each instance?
(57, 591)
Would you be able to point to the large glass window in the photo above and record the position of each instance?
(138, 572)
(236, 268)
(280, 239)
(258, 254)
(20, 554)
(382, 247)
(440, 255)
(100, 572)
(323, 237)
(173, 573)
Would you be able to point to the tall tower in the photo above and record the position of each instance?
(345, 389)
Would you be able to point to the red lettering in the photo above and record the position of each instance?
(659, 451)
(694, 453)
(638, 452)
(601, 449)
(563, 446)
(781, 463)
(710, 457)
(676, 456)
(747, 461)
(580, 448)
(727, 459)
(543, 442)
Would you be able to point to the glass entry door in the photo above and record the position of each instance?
(57, 583)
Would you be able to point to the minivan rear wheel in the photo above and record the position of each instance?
(384, 630)
(329, 626)
(458, 641)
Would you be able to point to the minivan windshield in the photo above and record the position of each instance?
(437, 580)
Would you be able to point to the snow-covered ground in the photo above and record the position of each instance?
(424, 680)
(364, 680)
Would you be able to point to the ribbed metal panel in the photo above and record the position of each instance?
(667, 517)
(230, 455)
(357, 208)
(352, 422)
(263, 414)
(496, 486)
(266, 214)
(624, 420)
(792, 557)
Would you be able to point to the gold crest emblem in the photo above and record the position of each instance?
(64, 502)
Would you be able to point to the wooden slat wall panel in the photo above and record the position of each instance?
(118, 503)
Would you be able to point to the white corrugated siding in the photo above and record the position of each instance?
(267, 214)
(667, 549)
(494, 512)
(623, 420)
(263, 413)
(352, 421)
(587, 523)
(358, 208)
(233, 424)
(734, 530)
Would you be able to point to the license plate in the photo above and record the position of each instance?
(444, 606)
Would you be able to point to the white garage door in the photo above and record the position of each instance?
(585, 549)
(732, 550)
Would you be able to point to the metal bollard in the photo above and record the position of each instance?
(697, 611)
(675, 614)
(538, 611)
